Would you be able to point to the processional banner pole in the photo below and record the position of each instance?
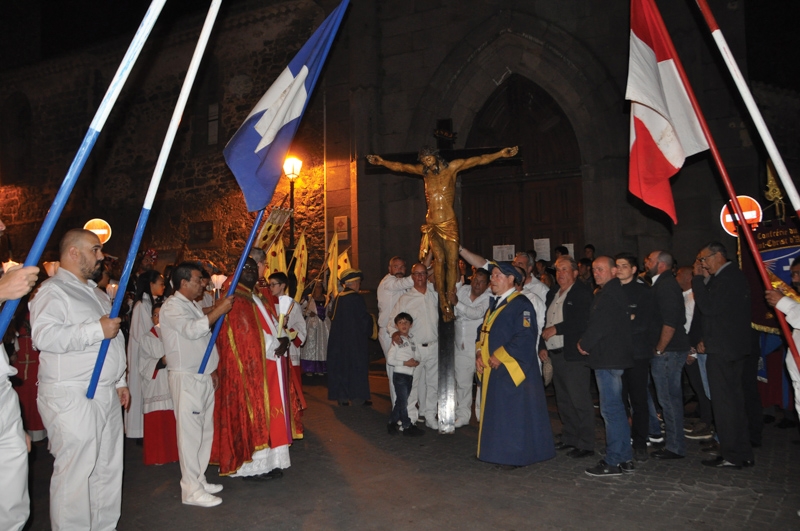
(155, 181)
(85, 149)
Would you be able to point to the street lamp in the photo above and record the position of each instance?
(291, 167)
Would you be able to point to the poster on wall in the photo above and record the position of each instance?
(503, 253)
(542, 248)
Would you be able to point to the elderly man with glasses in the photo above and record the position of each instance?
(724, 302)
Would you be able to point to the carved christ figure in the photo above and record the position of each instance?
(440, 232)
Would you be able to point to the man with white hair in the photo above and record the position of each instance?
(392, 286)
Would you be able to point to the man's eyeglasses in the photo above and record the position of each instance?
(702, 259)
(273, 284)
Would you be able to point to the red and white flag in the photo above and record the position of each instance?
(664, 127)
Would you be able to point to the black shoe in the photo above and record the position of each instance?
(561, 445)
(276, 473)
(666, 454)
(391, 428)
(786, 423)
(720, 462)
(413, 431)
(711, 448)
(640, 454)
(506, 467)
(367, 403)
(627, 467)
(577, 453)
(344, 402)
(747, 463)
(603, 469)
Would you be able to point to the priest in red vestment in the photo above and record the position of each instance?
(251, 439)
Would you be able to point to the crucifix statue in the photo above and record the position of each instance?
(440, 232)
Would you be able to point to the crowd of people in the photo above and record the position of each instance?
(238, 403)
(632, 330)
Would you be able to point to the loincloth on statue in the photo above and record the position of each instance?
(447, 230)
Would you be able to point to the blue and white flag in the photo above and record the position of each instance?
(256, 152)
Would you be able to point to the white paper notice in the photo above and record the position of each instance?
(503, 253)
(542, 248)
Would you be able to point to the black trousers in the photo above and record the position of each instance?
(703, 403)
(574, 400)
(634, 387)
(727, 401)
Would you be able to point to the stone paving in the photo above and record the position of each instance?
(348, 473)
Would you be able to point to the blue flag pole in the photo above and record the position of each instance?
(155, 181)
(85, 149)
(232, 288)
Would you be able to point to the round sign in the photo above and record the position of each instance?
(750, 209)
(99, 227)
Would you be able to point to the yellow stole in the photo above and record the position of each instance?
(501, 354)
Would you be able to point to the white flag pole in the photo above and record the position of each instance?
(155, 181)
(750, 103)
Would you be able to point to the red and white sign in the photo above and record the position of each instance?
(750, 209)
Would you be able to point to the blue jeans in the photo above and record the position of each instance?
(667, 370)
(655, 424)
(612, 408)
(402, 387)
(701, 362)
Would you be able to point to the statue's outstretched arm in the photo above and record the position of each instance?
(377, 160)
(486, 159)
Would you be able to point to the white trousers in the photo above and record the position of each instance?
(86, 441)
(794, 374)
(465, 375)
(193, 399)
(425, 386)
(15, 505)
(386, 341)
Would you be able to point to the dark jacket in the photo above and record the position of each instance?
(642, 308)
(576, 317)
(608, 336)
(671, 310)
(725, 306)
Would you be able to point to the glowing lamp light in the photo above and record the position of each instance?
(51, 267)
(291, 167)
(218, 281)
(8, 265)
(112, 288)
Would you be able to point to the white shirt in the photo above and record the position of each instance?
(539, 307)
(389, 291)
(65, 328)
(424, 309)
(688, 303)
(296, 322)
(6, 369)
(469, 315)
(185, 332)
(536, 287)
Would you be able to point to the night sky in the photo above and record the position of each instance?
(772, 30)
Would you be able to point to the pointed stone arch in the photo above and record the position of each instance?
(515, 42)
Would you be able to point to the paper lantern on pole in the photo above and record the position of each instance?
(51, 267)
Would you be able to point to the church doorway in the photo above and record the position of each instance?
(542, 197)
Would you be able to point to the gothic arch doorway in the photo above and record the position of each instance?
(543, 197)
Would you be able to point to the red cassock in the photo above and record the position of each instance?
(249, 412)
(27, 366)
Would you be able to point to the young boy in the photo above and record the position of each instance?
(402, 358)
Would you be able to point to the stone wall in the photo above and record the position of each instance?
(250, 46)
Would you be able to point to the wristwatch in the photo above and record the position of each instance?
(659, 352)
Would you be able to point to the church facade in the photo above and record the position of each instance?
(547, 76)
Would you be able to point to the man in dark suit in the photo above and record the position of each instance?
(568, 306)
(607, 347)
(724, 303)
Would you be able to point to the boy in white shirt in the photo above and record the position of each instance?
(403, 358)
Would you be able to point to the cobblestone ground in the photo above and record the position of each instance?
(349, 474)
